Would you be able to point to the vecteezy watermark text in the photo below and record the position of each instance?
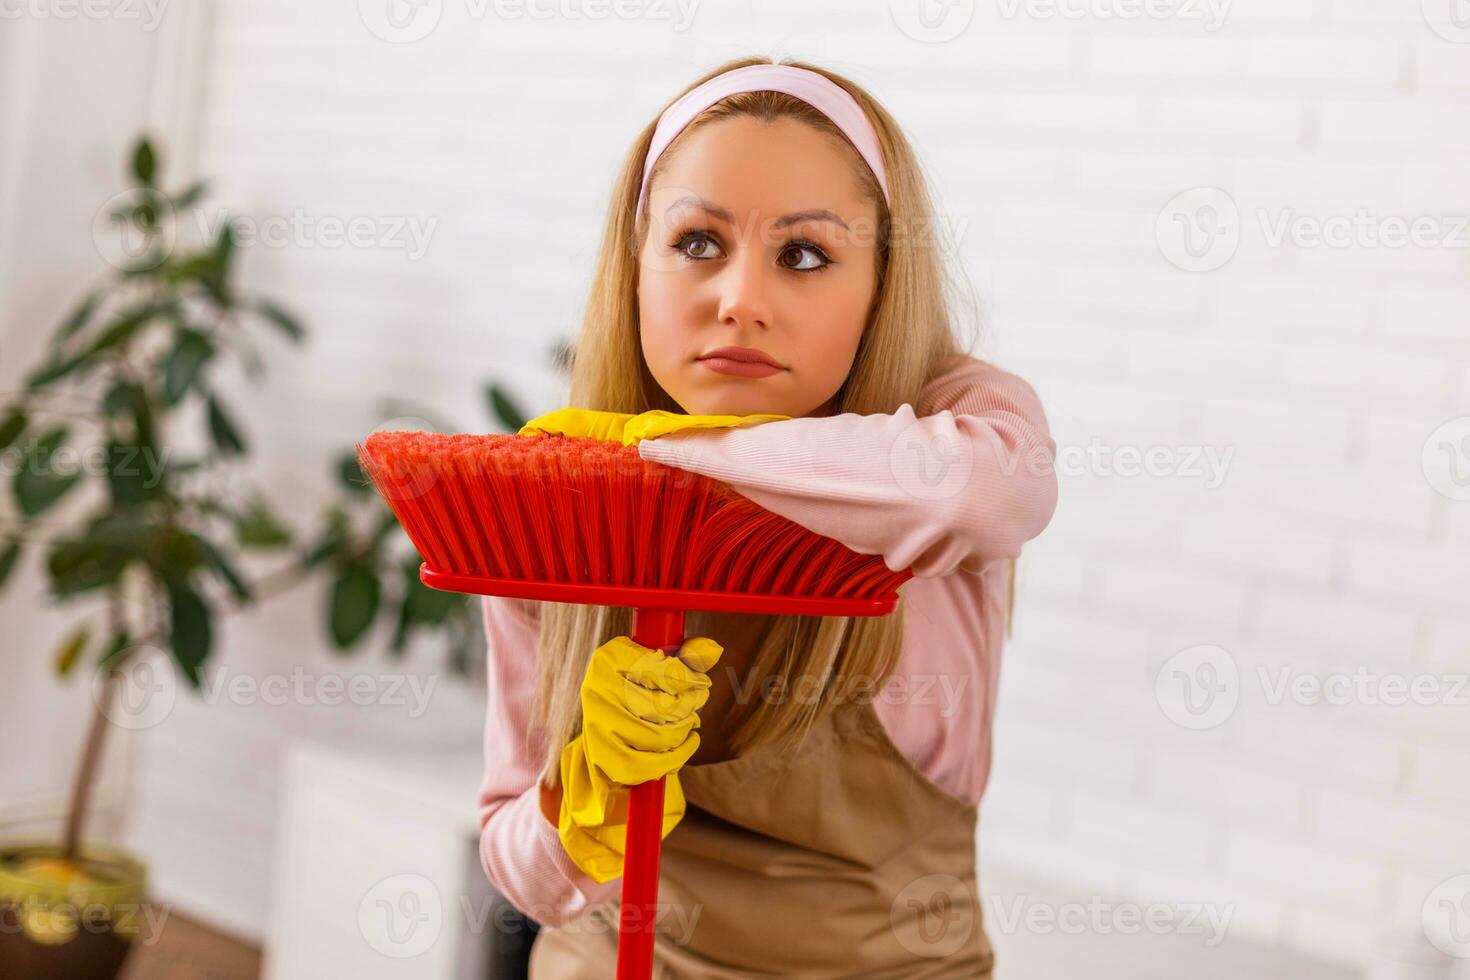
(406, 21)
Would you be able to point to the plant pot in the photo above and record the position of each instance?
(77, 920)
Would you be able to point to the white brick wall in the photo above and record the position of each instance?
(1057, 141)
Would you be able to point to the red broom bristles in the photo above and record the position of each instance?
(554, 508)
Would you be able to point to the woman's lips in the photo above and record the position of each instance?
(741, 369)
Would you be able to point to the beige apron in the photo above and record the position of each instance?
(838, 859)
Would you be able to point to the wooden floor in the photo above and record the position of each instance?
(188, 950)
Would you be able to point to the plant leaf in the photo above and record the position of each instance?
(129, 396)
(55, 370)
(192, 350)
(128, 478)
(421, 605)
(259, 528)
(199, 266)
(330, 541)
(80, 566)
(37, 484)
(349, 472)
(190, 632)
(145, 162)
(288, 324)
(71, 648)
(121, 330)
(175, 554)
(217, 280)
(8, 559)
(191, 196)
(99, 556)
(78, 319)
(402, 627)
(354, 604)
(504, 408)
(428, 606)
(12, 427)
(225, 570)
(386, 525)
(226, 436)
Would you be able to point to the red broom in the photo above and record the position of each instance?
(567, 519)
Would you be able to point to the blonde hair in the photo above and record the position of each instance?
(908, 340)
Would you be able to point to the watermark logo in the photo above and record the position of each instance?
(407, 21)
(1210, 14)
(934, 461)
(147, 13)
(1450, 19)
(400, 21)
(403, 478)
(931, 462)
(134, 226)
(932, 21)
(1103, 917)
(942, 693)
(38, 457)
(1207, 464)
(401, 916)
(54, 923)
(141, 692)
(1364, 687)
(933, 916)
(1445, 459)
(1199, 230)
(407, 233)
(1198, 687)
(1445, 916)
(1362, 229)
(300, 687)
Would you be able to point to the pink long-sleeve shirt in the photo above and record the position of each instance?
(948, 487)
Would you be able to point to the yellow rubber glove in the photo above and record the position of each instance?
(630, 429)
(639, 715)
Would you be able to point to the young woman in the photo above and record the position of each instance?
(766, 253)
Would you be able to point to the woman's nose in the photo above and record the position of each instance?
(744, 291)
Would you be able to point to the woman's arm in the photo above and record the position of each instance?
(519, 846)
(966, 479)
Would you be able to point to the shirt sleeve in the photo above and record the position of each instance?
(521, 851)
(965, 479)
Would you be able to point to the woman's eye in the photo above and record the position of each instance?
(804, 258)
(697, 246)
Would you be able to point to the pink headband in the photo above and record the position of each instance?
(815, 89)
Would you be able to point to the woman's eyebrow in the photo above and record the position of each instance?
(720, 214)
(815, 214)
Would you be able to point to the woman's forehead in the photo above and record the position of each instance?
(778, 168)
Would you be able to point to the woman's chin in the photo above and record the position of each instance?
(727, 407)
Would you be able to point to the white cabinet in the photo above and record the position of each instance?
(377, 872)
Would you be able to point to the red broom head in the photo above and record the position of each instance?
(566, 510)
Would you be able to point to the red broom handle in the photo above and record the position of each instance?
(661, 629)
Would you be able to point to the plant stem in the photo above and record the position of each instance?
(81, 793)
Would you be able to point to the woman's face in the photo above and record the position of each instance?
(759, 238)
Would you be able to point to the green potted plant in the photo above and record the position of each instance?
(149, 559)
(136, 532)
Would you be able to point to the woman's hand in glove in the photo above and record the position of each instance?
(639, 715)
(632, 429)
